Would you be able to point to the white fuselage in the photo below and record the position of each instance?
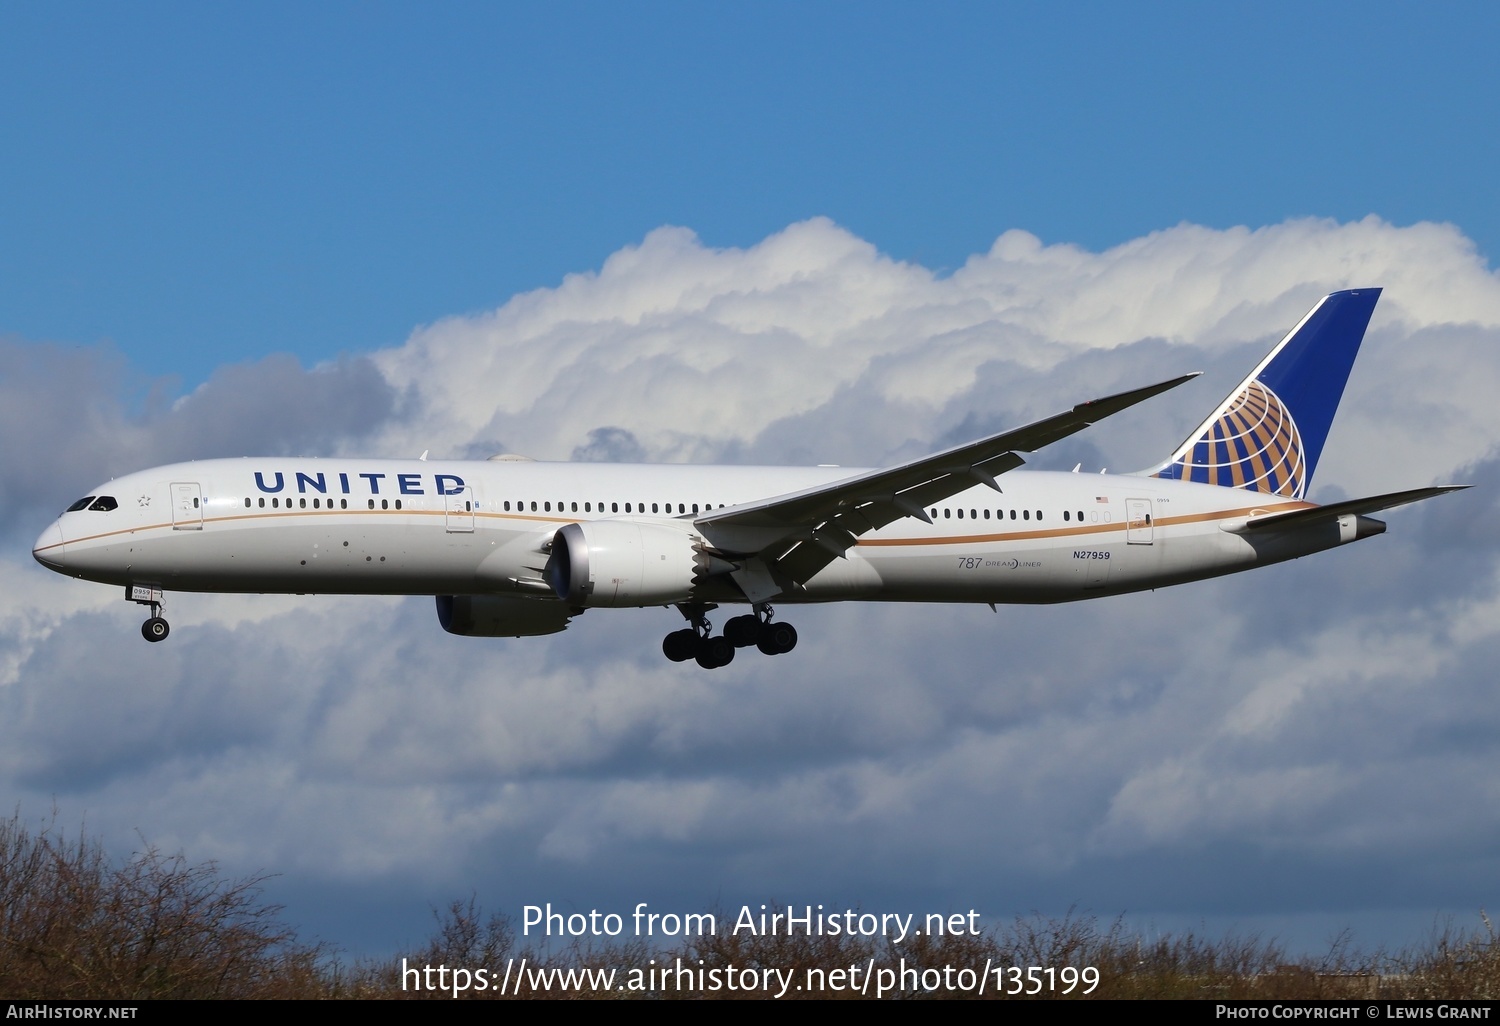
(470, 528)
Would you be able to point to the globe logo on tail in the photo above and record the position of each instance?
(1253, 445)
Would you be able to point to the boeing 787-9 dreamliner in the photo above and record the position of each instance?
(513, 547)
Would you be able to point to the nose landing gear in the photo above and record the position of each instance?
(156, 628)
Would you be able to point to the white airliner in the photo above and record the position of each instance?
(512, 547)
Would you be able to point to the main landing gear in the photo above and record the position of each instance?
(712, 651)
(154, 629)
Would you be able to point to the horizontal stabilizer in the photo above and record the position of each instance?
(1356, 507)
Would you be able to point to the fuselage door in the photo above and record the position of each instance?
(460, 516)
(1138, 521)
(187, 506)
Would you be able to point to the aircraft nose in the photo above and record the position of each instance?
(48, 549)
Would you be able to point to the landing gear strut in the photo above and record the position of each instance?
(156, 628)
(712, 651)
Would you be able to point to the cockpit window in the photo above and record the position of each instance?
(82, 503)
(104, 504)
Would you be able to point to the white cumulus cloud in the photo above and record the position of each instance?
(947, 755)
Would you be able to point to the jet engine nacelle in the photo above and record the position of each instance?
(623, 563)
(501, 616)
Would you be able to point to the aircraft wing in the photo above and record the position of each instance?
(797, 534)
(1334, 510)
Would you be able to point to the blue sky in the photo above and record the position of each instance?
(374, 229)
(200, 186)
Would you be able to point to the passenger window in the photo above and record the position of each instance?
(262, 502)
(614, 507)
(247, 502)
(1026, 514)
(385, 504)
(372, 503)
(398, 503)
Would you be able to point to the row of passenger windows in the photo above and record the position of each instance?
(317, 503)
(520, 505)
(614, 507)
(1000, 514)
(105, 502)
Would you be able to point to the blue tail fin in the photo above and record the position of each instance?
(1267, 436)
